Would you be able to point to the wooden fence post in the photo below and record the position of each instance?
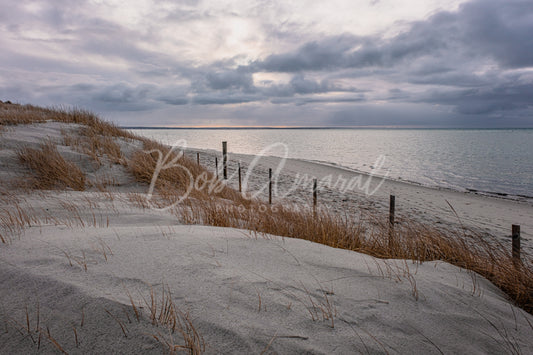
(269, 186)
(240, 184)
(225, 159)
(198, 158)
(516, 243)
(216, 166)
(314, 194)
(392, 206)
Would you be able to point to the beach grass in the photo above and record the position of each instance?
(50, 169)
(15, 114)
(95, 145)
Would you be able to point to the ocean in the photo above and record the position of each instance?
(494, 161)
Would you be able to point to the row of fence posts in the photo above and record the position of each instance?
(515, 229)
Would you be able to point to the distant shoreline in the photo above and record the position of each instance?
(489, 212)
(491, 194)
(317, 128)
(465, 187)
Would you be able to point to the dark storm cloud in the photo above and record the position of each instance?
(341, 52)
(123, 93)
(229, 79)
(502, 97)
(501, 29)
(495, 28)
(116, 97)
(445, 51)
(458, 78)
(143, 97)
(175, 101)
(300, 85)
(311, 100)
(316, 55)
(225, 99)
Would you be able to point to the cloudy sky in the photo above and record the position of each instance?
(451, 63)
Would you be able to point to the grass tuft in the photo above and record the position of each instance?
(165, 313)
(50, 170)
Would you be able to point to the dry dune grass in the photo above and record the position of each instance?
(95, 145)
(14, 217)
(17, 213)
(178, 174)
(164, 313)
(14, 114)
(50, 170)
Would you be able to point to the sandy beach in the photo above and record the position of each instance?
(97, 271)
(492, 215)
(244, 293)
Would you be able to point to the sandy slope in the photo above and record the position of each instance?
(33, 135)
(245, 293)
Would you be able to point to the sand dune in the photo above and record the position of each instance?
(94, 272)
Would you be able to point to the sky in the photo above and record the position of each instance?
(406, 63)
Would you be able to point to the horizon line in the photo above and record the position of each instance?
(316, 127)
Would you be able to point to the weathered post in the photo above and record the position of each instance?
(516, 243)
(269, 186)
(216, 166)
(198, 158)
(392, 206)
(225, 159)
(240, 184)
(314, 194)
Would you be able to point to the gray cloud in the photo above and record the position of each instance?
(225, 98)
(510, 96)
(300, 85)
(316, 55)
(471, 63)
(501, 30)
(176, 101)
(311, 100)
(229, 80)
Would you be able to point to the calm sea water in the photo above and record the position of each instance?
(497, 161)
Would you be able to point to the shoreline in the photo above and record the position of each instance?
(503, 195)
(494, 175)
(488, 213)
(492, 194)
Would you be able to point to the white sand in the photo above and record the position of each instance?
(242, 291)
(245, 293)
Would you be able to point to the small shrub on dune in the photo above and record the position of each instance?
(50, 170)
